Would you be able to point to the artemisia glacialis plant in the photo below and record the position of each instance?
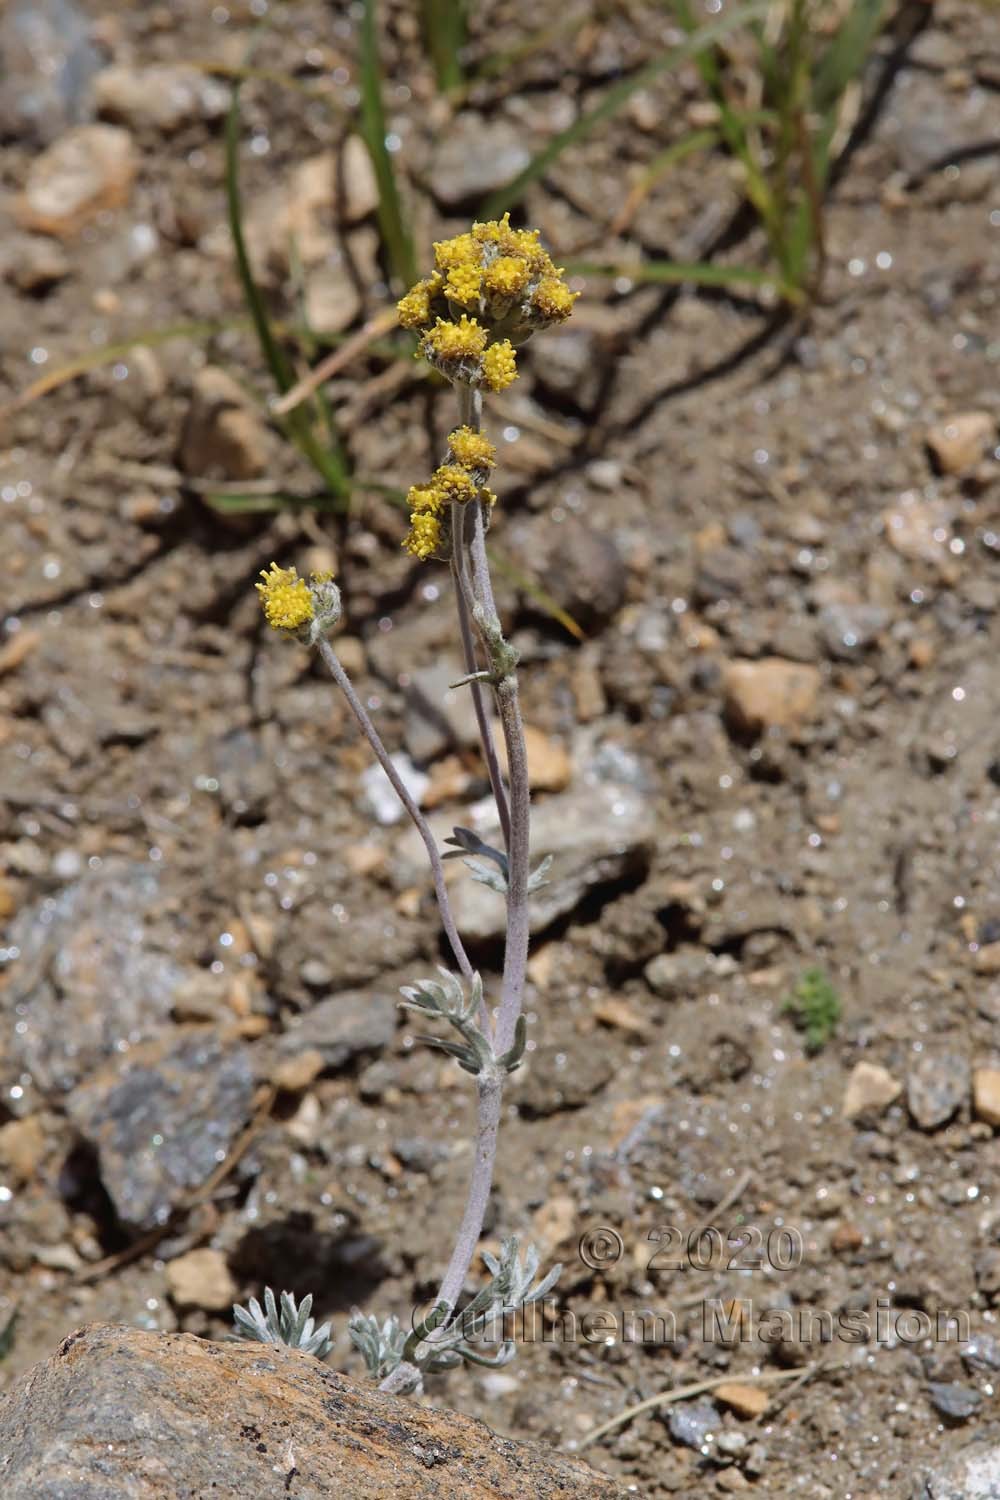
(490, 290)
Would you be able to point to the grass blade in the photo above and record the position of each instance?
(329, 465)
(232, 503)
(8, 1333)
(111, 353)
(391, 218)
(443, 24)
(534, 590)
(274, 355)
(614, 100)
(847, 54)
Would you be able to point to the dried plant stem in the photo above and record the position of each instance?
(374, 739)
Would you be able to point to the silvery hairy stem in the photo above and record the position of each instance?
(509, 710)
(371, 734)
(470, 404)
(470, 545)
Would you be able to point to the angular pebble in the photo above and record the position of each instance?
(986, 1095)
(936, 1089)
(870, 1089)
(476, 155)
(691, 1422)
(770, 694)
(201, 1278)
(960, 441)
(956, 1402)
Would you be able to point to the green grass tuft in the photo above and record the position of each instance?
(815, 1007)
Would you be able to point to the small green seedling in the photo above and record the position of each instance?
(815, 1008)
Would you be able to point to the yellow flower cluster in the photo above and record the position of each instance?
(465, 339)
(491, 288)
(473, 450)
(500, 365)
(289, 602)
(285, 597)
(471, 456)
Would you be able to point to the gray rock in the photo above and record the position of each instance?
(47, 64)
(419, 1154)
(349, 953)
(956, 1402)
(33, 263)
(597, 835)
(553, 1079)
(162, 97)
(724, 573)
(982, 1352)
(692, 1422)
(88, 980)
(162, 1120)
(847, 629)
(476, 156)
(246, 775)
(936, 1088)
(971, 1474)
(584, 573)
(124, 1414)
(439, 717)
(675, 975)
(344, 1027)
(567, 363)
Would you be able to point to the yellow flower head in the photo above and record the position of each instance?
(424, 535)
(454, 483)
(414, 310)
(507, 276)
(286, 598)
(463, 285)
(465, 339)
(553, 299)
(424, 499)
(497, 234)
(499, 365)
(473, 450)
(461, 251)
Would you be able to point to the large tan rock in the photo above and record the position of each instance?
(150, 1416)
(163, 96)
(86, 172)
(961, 440)
(770, 694)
